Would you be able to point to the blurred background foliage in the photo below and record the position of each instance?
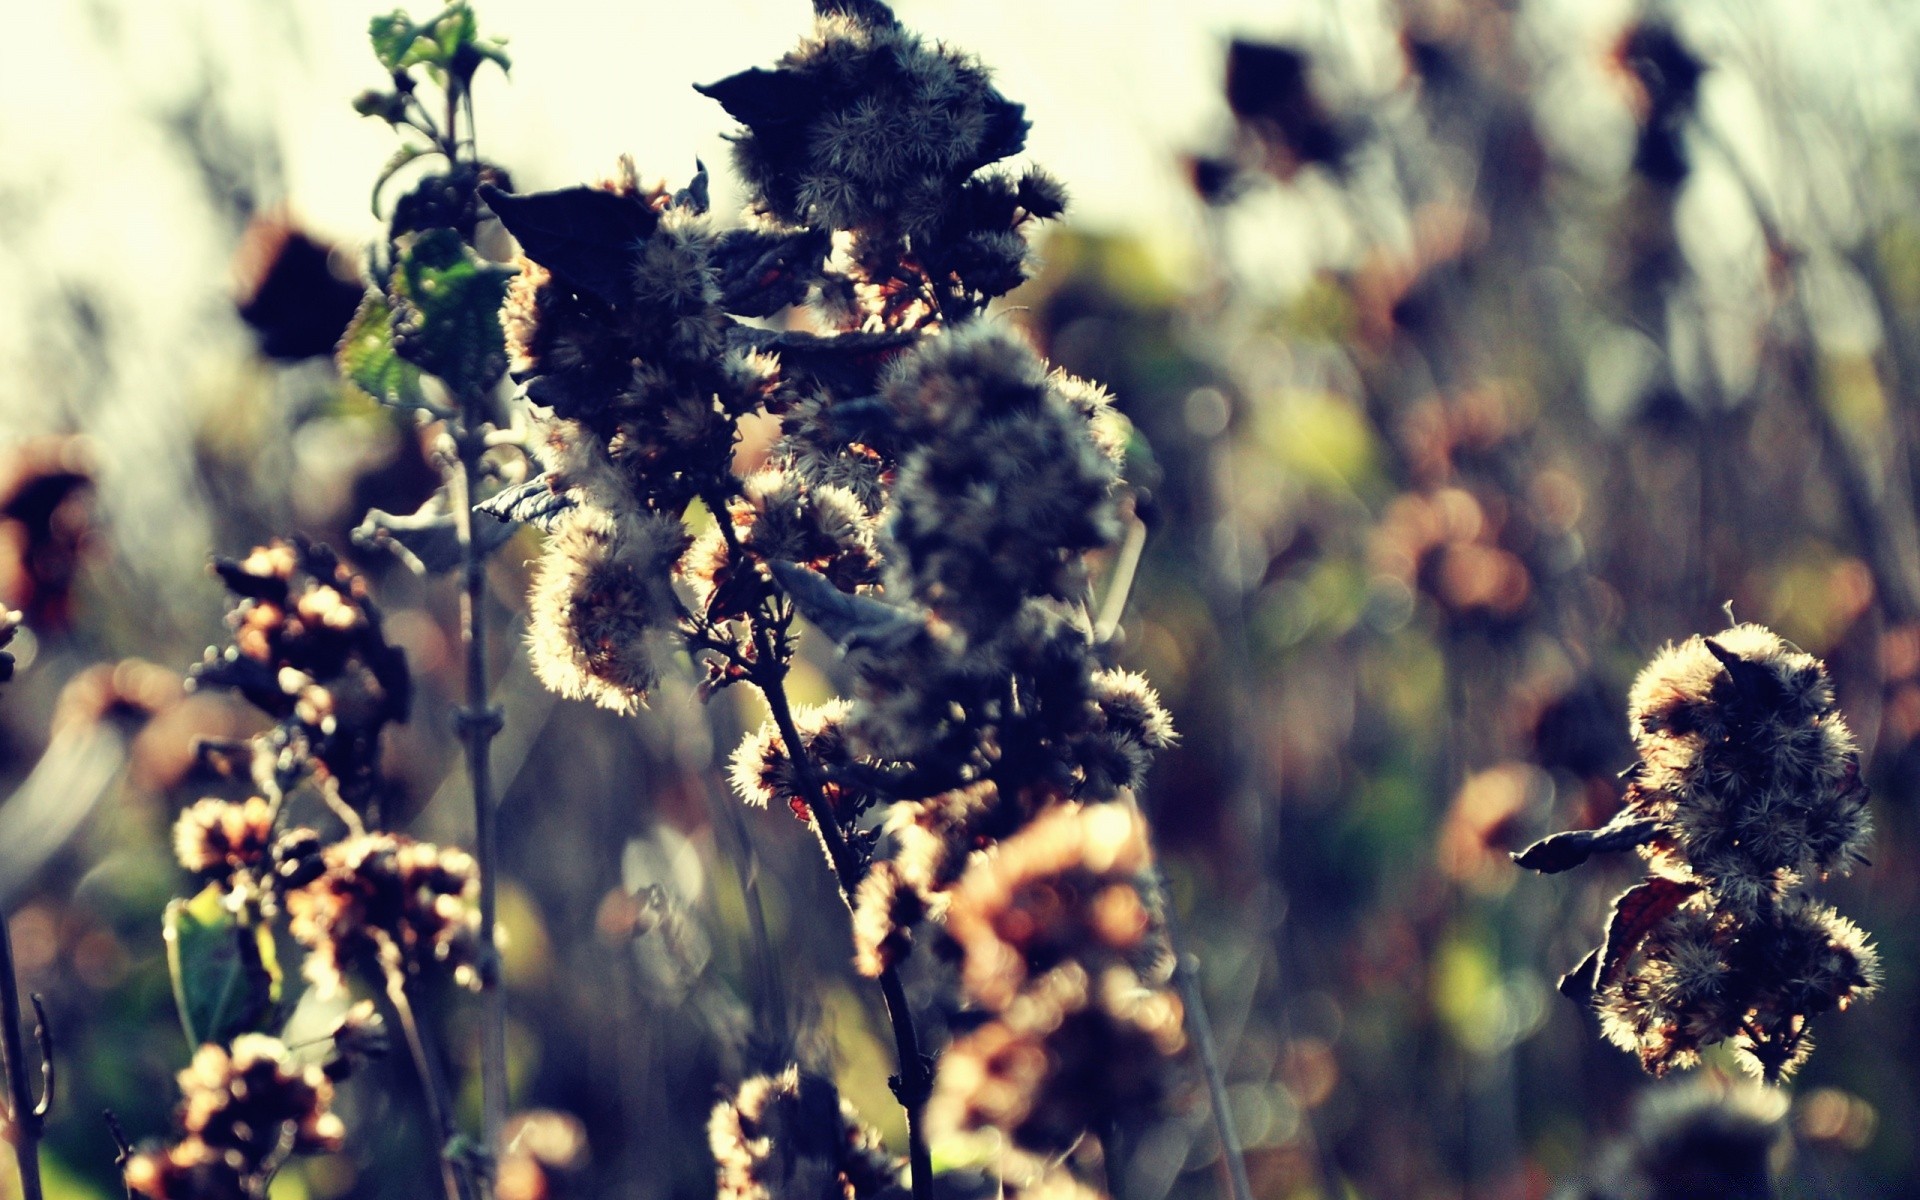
(1475, 349)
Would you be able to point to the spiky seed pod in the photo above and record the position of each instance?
(1069, 887)
(602, 586)
(865, 125)
(763, 771)
(387, 899)
(1004, 485)
(1071, 1052)
(1706, 974)
(1747, 764)
(791, 1135)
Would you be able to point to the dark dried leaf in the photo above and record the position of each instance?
(1564, 851)
(842, 363)
(849, 620)
(1635, 913)
(696, 195)
(534, 503)
(584, 235)
(762, 273)
(764, 99)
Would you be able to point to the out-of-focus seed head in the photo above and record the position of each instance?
(1071, 1052)
(1070, 886)
(791, 1135)
(392, 901)
(221, 839)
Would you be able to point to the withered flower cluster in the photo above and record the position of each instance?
(1747, 789)
(929, 504)
(1058, 939)
(245, 1109)
(791, 1134)
(308, 650)
(404, 904)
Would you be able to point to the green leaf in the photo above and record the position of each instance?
(393, 37)
(397, 160)
(366, 358)
(446, 318)
(440, 43)
(226, 976)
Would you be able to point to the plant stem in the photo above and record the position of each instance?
(915, 1080)
(432, 1087)
(478, 723)
(24, 1119)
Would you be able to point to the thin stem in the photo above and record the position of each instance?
(1186, 974)
(478, 724)
(432, 1087)
(915, 1080)
(25, 1117)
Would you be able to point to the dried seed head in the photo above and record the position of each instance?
(601, 588)
(220, 839)
(791, 1135)
(1747, 764)
(866, 126)
(251, 1097)
(1069, 1054)
(1004, 485)
(1069, 887)
(763, 772)
(406, 905)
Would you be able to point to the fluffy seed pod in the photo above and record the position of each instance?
(1070, 886)
(601, 588)
(1748, 785)
(1069, 1054)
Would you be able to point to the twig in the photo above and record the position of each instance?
(26, 1118)
(432, 1086)
(122, 1147)
(769, 674)
(915, 1081)
(478, 723)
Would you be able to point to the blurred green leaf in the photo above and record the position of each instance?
(448, 42)
(367, 360)
(226, 976)
(447, 317)
(393, 37)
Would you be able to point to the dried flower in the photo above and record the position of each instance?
(602, 586)
(220, 839)
(406, 904)
(309, 651)
(245, 1108)
(1070, 886)
(1070, 1053)
(791, 1135)
(1748, 785)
